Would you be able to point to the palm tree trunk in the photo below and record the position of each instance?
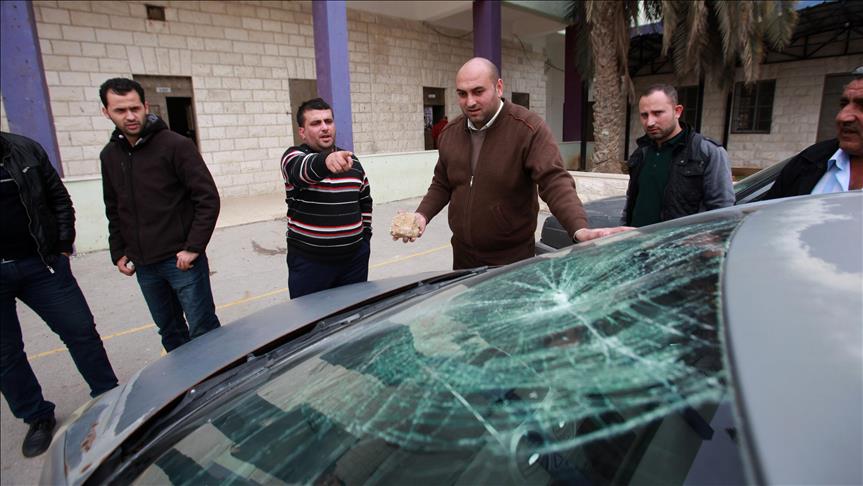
(609, 115)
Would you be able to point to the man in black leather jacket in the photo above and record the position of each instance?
(38, 232)
(834, 165)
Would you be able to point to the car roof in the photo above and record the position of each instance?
(793, 298)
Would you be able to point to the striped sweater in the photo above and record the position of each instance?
(328, 214)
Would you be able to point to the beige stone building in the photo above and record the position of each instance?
(233, 72)
(235, 65)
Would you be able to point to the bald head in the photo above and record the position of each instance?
(479, 66)
(479, 88)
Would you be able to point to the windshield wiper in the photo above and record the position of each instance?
(391, 300)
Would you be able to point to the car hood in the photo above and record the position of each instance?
(114, 416)
(480, 369)
(552, 285)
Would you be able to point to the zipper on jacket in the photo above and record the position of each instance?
(467, 221)
(134, 204)
(29, 219)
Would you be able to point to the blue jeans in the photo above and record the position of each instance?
(306, 276)
(170, 292)
(58, 300)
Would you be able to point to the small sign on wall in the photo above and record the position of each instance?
(163, 89)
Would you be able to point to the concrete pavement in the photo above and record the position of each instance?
(248, 273)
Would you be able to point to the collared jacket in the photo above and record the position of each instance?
(159, 195)
(803, 172)
(492, 213)
(699, 179)
(48, 205)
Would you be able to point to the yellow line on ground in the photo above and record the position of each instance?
(104, 338)
(408, 257)
(238, 302)
(253, 298)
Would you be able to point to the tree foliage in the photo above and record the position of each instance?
(710, 37)
(703, 38)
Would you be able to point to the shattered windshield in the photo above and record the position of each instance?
(597, 366)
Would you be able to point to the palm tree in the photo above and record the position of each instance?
(608, 83)
(603, 49)
(703, 37)
(712, 37)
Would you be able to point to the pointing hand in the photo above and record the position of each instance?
(341, 161)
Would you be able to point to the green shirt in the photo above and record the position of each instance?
(652, 181)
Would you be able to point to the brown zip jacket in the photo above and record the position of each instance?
(493, 212)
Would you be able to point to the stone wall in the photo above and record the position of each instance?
(393, 59)
(240, 57)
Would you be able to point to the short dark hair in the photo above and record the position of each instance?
(665, 88)
(120, 86)
(312, 104)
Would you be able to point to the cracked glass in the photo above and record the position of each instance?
(596, 366)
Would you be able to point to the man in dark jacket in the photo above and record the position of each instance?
(162, 206)
(832, 165)
(38, 232)
(675, 171)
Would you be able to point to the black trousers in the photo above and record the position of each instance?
(58, 300)
(306, 275)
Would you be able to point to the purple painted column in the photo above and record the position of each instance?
(572, 91)
(331, 63)
(22, 78)
(486, 31)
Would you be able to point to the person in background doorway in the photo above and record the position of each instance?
(437, 128)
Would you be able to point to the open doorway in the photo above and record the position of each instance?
(180, 117)
(172, 99)
(522, 99)
(434, 112)
(300, 90)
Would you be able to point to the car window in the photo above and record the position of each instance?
(758, 183)
(597, 366)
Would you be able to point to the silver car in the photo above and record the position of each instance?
(720, 348)
(606, 212)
